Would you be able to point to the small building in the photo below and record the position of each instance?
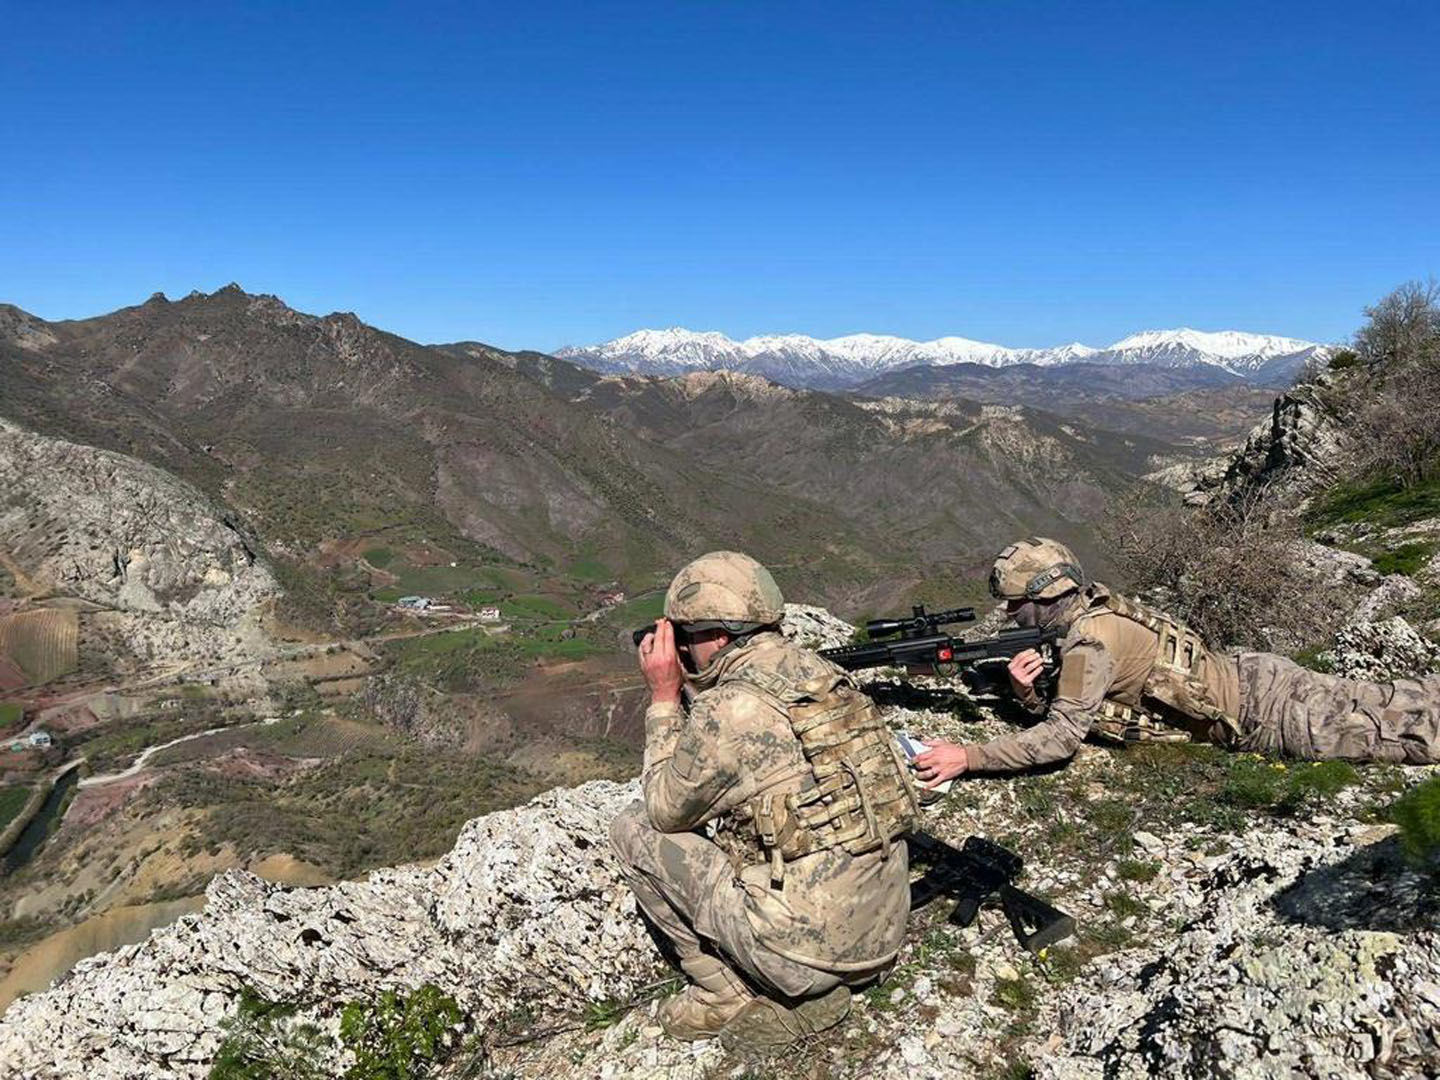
(39, 738)
(414, 603)
(610, 599)
(489, 614)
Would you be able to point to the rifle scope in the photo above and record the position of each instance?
(919, 622)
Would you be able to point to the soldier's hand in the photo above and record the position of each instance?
(943, 761)
(1024, 668)
(660, 664)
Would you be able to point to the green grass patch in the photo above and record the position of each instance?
(591, 570)
(1314, 657)
(1017, 995)
(536, 606)
(1285, 787)
(12, 714)
(1379, 502)
(1417, 812)
(637, 612)
(12, 801)
(1122, 905)
(1137, 870)
(378, 557)
(1407, 559)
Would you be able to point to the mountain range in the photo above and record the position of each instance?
(317, 431)
(851, 361)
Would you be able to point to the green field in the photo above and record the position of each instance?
(11, 715)
(535, 606)
(12, 801)
(378, 557)
(591, 570)
(637, 612)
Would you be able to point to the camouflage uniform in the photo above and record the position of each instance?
(1115, 682)
(834, 918)
(831, 919)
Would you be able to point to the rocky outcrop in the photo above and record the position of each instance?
(1382, 651)
(159, 572)
(1295, 452)
(527, 907)
(815, 628)
(1272, 974)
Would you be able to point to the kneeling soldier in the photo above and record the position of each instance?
(1131, 673)
(768, 847)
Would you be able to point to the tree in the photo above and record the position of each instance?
(1404, 328)
(1397, 425)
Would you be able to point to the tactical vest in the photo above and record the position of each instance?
(1176, 704)
(858, 796)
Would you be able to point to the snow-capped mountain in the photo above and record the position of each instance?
(797, 360)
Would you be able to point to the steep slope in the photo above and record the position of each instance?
(919, 472)
(321, 427)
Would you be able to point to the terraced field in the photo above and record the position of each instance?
(319, 737)
(45, 644)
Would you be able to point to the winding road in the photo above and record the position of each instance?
(149, 751)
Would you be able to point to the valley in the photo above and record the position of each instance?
(299, 596)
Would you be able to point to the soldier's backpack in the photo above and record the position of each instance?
(860, 796)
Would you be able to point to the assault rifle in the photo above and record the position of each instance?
(919, 640)
(973, 873)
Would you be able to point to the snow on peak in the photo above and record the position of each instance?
(1229, 344)
(798, 360)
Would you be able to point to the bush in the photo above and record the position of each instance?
(399, 1038)
(261, 1043)
(1417, 812)
(1227, 569)
(392, 1038)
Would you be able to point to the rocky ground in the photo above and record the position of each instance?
(1237, 917)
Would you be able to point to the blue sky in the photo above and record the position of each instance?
(544, 173)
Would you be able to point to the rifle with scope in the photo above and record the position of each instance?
(920, 641)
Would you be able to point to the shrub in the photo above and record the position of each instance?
(393, 1037)
(1227, 569)
(399, 1038)
(262, 1043)
(1417, 812)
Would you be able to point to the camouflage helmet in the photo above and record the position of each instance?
(724, 590)
(1035, 569)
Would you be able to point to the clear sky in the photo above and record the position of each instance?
(539, 173)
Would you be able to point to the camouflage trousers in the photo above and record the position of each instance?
(1288, 710)
(687, 886)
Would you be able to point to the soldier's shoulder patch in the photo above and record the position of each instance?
(1073, 670)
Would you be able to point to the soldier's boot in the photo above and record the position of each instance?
(765, 1023)
(715, 996)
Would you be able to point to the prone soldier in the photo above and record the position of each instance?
(1131, 673)
(767, 849)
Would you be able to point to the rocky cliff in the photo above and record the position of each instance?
(1296, 451)
(156, 570)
